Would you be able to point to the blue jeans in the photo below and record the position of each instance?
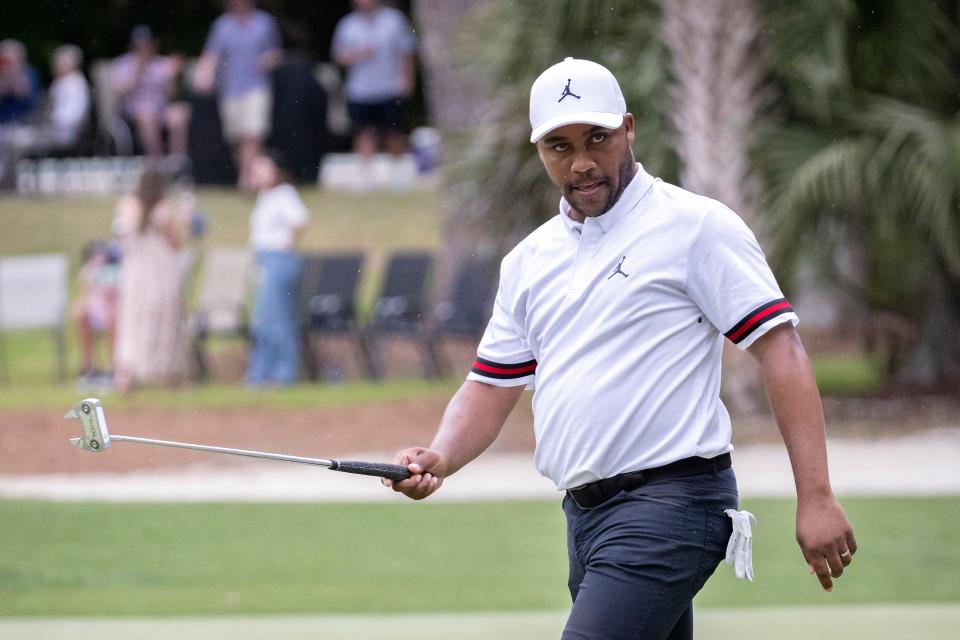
(275, 354)
(638, 559)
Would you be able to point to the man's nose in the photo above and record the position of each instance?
(583, 162)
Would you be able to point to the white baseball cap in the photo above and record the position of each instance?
(575, 91)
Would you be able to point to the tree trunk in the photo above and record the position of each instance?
(717, 94)
(456, 104)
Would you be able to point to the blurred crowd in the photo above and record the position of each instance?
(151, 92)
(132, 286)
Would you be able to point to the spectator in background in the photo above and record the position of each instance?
(64, 118)
(69, 95)
(145, 81)
(151, 343)
(376, 45)
(276, 226)
(20, 88)
(177, 117)
(95, 310)
(241, 50)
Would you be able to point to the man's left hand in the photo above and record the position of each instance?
(825, 537)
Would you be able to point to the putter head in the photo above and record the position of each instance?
(95, 435)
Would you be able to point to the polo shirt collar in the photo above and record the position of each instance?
(631, 196)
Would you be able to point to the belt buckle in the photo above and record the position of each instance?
(583, 489)
(573, 496)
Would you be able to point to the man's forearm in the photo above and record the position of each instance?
(795, 401)
(472, 421)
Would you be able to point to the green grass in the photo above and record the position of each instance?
(882, 621)
(338, 221)
(216, 396)
(847, 374)
(103, 559)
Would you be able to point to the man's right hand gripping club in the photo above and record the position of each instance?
(428, 469)
(470, 424)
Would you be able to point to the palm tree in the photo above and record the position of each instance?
(858, 163)
(500, 179)
(862, 171)
(457, 103)
(719, 88)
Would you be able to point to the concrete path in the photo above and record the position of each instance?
(876, 622)
(926, 463)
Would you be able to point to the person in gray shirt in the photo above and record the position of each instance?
(375, 44)
(242, 48)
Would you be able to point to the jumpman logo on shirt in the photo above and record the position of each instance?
(567, 92)
(619, 270)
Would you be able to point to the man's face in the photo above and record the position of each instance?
(590, 165)
(143, 48)
(239, 6)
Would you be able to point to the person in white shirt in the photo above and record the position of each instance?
(66, 114)
(277, 223)
(69, 95)
(615, 312)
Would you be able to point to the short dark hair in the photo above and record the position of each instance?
(280, 161)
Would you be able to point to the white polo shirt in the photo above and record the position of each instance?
(618, 323)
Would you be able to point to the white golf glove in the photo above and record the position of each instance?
(740, 546)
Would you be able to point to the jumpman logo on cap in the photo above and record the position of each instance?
(567, 92)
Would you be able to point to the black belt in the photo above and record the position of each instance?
(594, 494)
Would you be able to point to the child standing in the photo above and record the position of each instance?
(95, 310)
(276, 226)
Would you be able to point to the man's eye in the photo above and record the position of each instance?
(561, 147)
(597, 138)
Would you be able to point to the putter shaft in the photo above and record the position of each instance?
(320, 462)
(96, 438)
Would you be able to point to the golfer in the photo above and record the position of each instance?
(615, 312)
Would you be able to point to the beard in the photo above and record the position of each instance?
(626, 169)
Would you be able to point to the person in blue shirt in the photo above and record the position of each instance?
(376, 44)
(20, 88)
(243, 47)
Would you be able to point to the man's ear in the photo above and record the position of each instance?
(629, 124)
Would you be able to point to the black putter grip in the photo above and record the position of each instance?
(377, 469)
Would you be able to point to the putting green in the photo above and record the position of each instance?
(875, 622)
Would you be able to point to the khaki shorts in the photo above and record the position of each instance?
(247, 115)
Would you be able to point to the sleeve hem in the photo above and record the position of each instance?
(760, 331)
(526, 381)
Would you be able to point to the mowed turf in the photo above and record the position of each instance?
(883, 621)
(176, 560)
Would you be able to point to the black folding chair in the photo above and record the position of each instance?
(328, 292)
(465, 311)
(400, 309)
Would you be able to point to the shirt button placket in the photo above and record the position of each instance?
(582, 267)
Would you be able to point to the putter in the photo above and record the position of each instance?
(96, 438)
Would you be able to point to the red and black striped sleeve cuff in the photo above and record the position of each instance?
(757, 318)
(501, 371)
